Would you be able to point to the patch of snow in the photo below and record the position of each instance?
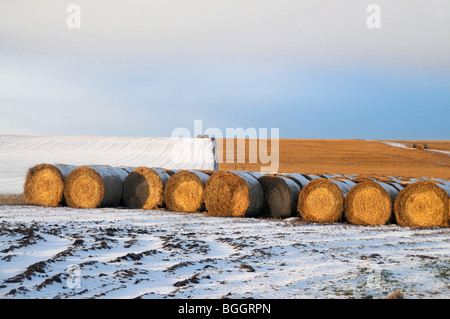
(396, 144)
(439, 151)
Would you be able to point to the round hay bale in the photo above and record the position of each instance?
(127, 169)
(362, 178)
(348, 182)
(397, 186)
(144, 188)
(170, 171)
(207, 171)
(384, 179)
(254, 174)
(44, 184)
(331, 176)
(280, 196)
(233, 194)
(370, 203)
(184, 191)
(311, 177)
(300, 179)
(403, 184)
(94, 186)
(322, 200)
(422, 204)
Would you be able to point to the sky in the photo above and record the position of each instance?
(313, 69)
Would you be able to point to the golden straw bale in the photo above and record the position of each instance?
(207, 171)
(144, 188)
(370, 203)
(170, 171)
(362, 178)
(94, 186)
(233, 193)
(44, 184)
(422, 204)
(383, 179)
(280, 196)
(322, 200)
(184, 191)
(300, 179)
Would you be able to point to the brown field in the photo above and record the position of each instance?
(12, 200)
(347, 157)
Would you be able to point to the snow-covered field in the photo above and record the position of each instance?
(121, 253)
(19, 153)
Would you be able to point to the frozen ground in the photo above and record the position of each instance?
(121, 253)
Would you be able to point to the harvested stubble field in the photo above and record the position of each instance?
(347, 157)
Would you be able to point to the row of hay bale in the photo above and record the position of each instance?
(360, 200)
(330, 198)
(96, 186)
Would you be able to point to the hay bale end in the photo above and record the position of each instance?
(184, 191)
(233, 194)
(94, 186)
(44, 184)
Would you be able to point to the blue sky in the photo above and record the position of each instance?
(313, 70)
